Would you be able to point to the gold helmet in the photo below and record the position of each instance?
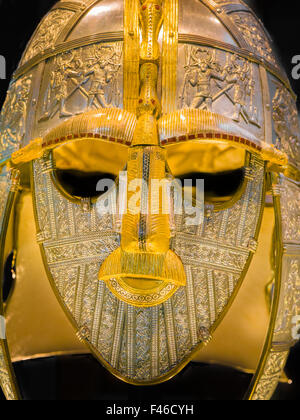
(136, 92)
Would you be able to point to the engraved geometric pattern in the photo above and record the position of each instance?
(5, 380)
(289, 306)
(254, 34)
(47, 33)
(289, 300)
(271, 376)
(4, 377)
(286, 123)
(290, 211)
(144, 344)
(13, 116)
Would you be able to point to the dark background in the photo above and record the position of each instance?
(18, 20)
(81, 377)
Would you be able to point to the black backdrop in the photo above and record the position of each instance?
(18, 20)
(81, 377)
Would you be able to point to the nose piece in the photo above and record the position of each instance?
(143, 279)
(144, 271)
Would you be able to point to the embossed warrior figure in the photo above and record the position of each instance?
(238, 74)
(103, 71)
(58, 93)
(135, 96)
(201, 78)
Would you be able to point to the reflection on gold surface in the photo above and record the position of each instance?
(184, 158)
(239, 340)
(91, 156)
(37, 326)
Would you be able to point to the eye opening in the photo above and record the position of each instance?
(220, 189)
(80, 185)
(80, 165)
(222, 167)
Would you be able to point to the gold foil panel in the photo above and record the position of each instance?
(144, 345)
(170, 55)
(131, 54)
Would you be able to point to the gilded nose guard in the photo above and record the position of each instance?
(144, 271)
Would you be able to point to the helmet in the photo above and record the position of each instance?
(113, 103)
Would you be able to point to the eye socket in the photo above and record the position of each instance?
(80, 165)
(219, 187)
(221, 166)
(81, 184)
